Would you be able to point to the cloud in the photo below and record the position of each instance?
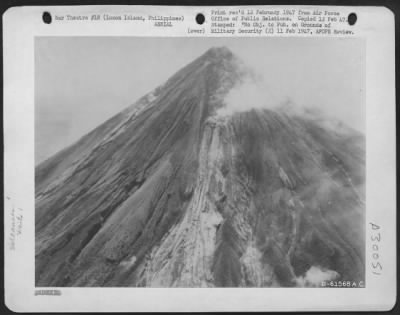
(249, 94)
(258, 91)
(315, 275)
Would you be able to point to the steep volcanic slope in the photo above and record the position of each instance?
(167, 193)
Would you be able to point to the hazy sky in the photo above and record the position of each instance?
(82, 81)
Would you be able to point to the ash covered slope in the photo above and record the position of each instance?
(167, 193)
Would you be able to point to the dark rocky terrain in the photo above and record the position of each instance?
(168, 193)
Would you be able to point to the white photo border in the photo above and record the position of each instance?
(20, 27)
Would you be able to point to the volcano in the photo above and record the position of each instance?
(169, 193)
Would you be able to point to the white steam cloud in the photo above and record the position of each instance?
(315, 276)
(254, 93)
(250, 94)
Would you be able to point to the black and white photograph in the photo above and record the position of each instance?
(199, 159)
(199, 162)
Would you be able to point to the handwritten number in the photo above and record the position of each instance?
(376, 237)
(377, 265)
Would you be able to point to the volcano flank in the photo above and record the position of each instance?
(169, 193)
